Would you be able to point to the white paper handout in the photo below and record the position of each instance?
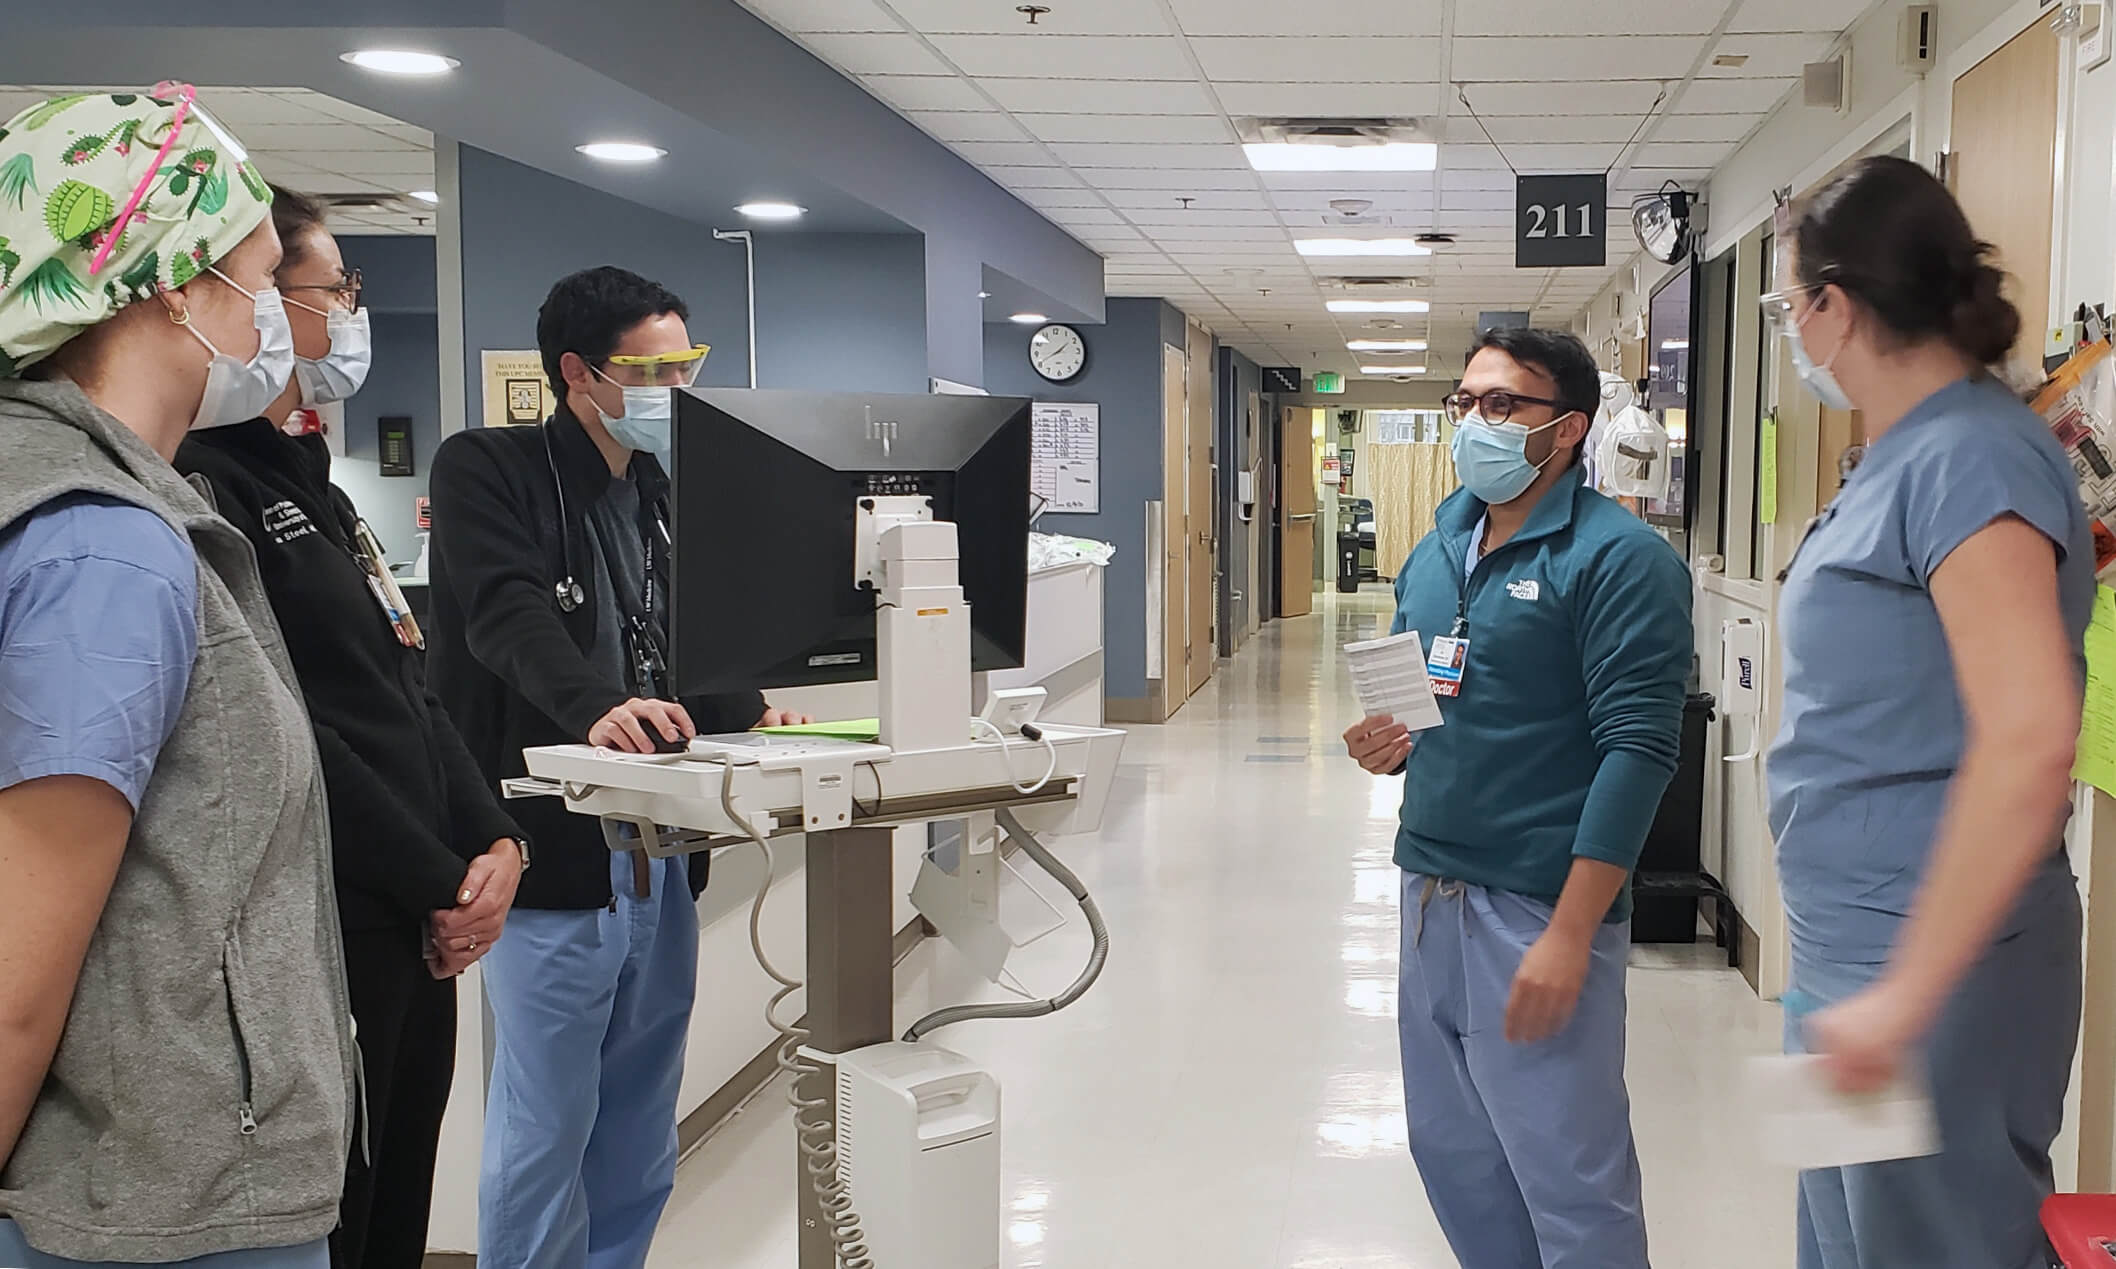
(1389, 675)
(1804, 1122)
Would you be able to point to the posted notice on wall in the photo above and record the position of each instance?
(516, 391)
(1065, 457)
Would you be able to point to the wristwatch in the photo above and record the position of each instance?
(521, 846)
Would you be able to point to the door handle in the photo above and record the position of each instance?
(1306, 519)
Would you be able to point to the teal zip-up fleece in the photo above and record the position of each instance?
(1567, 729)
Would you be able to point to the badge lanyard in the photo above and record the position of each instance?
(1449, 657)
(649, 667)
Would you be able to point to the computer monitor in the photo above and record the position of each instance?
(765, 489)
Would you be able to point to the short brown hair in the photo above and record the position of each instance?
(294, 215)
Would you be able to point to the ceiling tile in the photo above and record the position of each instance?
(1247, 199)
(1225, 156)
(925, 92)
(1318, 17)
(1100, 96)
(1071, 17)
(1770, 56)
(1477, 59)
(1734, 96)
(809, 16)
(1172, 217)
(1005, 153)
(1726, 129)
(1290, 100)
(1523, 129)
(1601, 17)
(1175, 182)
(965, 125)
(1626, 97)
(1033, 177)
(1691, 154)
(1323, 59)
(1052, 199)
(1829, 16)
(870, 54)
(1066, 56)
(1191, 129)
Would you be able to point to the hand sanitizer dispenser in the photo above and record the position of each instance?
(1741, 681)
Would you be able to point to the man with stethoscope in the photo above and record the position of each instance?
(550, 621)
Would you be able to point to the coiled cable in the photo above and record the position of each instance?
(1096, 960)
(816, 1132)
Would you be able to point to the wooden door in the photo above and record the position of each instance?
(1203, 647)
(1175, 552)
(1296, 515)
(2002, 156)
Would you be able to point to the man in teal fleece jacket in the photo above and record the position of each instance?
(1523, 815)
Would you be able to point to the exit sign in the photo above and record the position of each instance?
(1329, 381)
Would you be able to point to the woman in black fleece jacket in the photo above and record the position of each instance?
(426, 861)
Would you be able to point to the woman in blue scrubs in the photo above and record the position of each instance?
(1933, 621)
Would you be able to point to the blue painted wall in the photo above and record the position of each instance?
(406, 380)
(1123, 376)
(834, 311)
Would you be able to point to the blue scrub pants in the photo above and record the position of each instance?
(1999, 1061)
(16, 1254)
(591, 1012)
(1525, 1151)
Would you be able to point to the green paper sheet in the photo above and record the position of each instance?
(1767, 471)
(850, 729)
(2096, 764)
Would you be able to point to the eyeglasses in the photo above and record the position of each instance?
(1496, 406)
(677, 369)
(186, 98)
(347, 292)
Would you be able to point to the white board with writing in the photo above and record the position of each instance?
(1065, 456)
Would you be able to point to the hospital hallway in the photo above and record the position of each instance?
(1228, 1095)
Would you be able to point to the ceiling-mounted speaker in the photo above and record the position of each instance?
(1827, 85)
(1920, 49)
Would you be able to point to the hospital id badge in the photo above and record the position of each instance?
(1445, 664)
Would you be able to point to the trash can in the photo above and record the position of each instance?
(1348, 562)
(1675, 844)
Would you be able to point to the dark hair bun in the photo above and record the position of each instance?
(1983, 323)
(1892, 236)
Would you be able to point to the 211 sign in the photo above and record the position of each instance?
(1561, 222)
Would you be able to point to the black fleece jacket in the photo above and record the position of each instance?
(409, 807)
(510, 664)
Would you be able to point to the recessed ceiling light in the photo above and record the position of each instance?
(1380, 306)
(1731, 61)
(772, 211)
(425, 196)
(1360, 247)
(1393, 156)
(1386, 345)
(1028, 319)
(984, 295)
(621, 151)
(397, 61)
(1675, 345)
(1392, 371)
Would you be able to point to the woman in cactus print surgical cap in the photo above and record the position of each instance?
(177, 1073)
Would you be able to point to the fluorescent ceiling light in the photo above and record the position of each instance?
(1028, 319)
(1675, 345)
(1394, 156)
(1386, 345)
(1360, 247)
(397, 61)
(1392, 370)
(426, 196)
(621, 151)
(1380, 306)
(772, 211)
(984, 295)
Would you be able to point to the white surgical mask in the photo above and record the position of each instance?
(238, 391)
(338, 374)
(1491, 458)
(1820, 380)
(648, 421)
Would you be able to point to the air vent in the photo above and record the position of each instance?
(1373, 283)
(1341, 132)
(368, 202)
(1435, 240)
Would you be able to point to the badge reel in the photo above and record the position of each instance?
(1444, 665)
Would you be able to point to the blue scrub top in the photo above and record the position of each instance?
(1873, 723)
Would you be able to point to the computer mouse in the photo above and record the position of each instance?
(679, 745)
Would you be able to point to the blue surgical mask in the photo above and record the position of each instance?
(647, 423)
(1491, 458)
(1820, 380)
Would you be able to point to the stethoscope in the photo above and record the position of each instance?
(569, 592)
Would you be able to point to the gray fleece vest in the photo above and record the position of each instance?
(202, 1097)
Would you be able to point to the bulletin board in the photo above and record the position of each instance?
(516, 391)
(1065, 457)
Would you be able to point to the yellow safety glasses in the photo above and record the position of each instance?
(677, 369)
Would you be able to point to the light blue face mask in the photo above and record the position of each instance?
(1491, 459)
(648, 422)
